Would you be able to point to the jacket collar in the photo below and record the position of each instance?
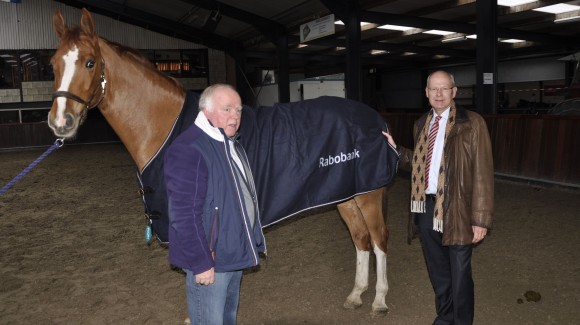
(205, 125)
(461, 116)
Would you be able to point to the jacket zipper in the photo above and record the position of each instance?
(257, 222)
(240, 203)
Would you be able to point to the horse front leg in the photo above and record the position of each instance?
(361, 280)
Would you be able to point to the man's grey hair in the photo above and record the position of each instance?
(449, 74)
(206, 98)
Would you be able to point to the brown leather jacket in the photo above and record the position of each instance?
(469, 178)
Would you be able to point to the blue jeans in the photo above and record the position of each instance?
(216, 303)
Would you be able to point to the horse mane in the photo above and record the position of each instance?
(135, 55)
(129, 52)
(75, 35)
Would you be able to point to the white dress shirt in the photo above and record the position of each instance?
(437, 151)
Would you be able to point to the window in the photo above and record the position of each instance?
(180, 63)
(27, 65)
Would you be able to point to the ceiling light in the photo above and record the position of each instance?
(453, 39)
(473, 36)
(558, 8)
(513, 3)
(566, 19)
(362, 23)
(512, 40)
(395, 27)
(302, 45)
(439, 32)
(340, 48)
(378, 52)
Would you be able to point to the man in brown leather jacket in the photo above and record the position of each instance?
(451, 195)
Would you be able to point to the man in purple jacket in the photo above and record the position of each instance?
(214, 222)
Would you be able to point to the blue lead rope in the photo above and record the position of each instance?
(57, 144)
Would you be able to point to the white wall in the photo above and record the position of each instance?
(267, 95)
(531, 70)
(405, 89)
(28, 25)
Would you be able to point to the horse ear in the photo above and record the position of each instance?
(87, 23)
(58, 23)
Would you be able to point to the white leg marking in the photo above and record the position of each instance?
(361, 280)
(382, 287)
(70, 58)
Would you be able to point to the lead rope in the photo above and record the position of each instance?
(57, 144)
(142, 191)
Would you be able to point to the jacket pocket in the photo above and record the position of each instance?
(213, 235)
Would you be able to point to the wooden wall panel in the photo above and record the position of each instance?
(39, 134)
(543, 148)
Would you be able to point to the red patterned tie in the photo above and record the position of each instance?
(432, 137)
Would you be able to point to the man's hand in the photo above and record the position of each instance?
(205, 278)
(390, 139)
(478, 234)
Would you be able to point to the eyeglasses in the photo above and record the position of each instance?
(442, 89)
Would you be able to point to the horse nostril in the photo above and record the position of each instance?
(69, 121)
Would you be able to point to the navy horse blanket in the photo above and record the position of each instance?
(303, 155)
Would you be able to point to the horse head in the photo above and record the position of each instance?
(79, 75)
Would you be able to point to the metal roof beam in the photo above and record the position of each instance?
(269, 28)
(156, 23)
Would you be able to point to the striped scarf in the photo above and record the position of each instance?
(418, 176)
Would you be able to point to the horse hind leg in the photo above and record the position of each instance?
(382, 287)
(373, 208)
(350, 213)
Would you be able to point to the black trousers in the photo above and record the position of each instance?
(449, 270)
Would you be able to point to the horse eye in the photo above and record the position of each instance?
(90, 64)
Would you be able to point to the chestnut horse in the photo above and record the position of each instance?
(141, 105)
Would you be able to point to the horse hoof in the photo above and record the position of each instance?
(351, 305)
(379, 312)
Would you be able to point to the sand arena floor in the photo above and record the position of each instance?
(72, 252)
